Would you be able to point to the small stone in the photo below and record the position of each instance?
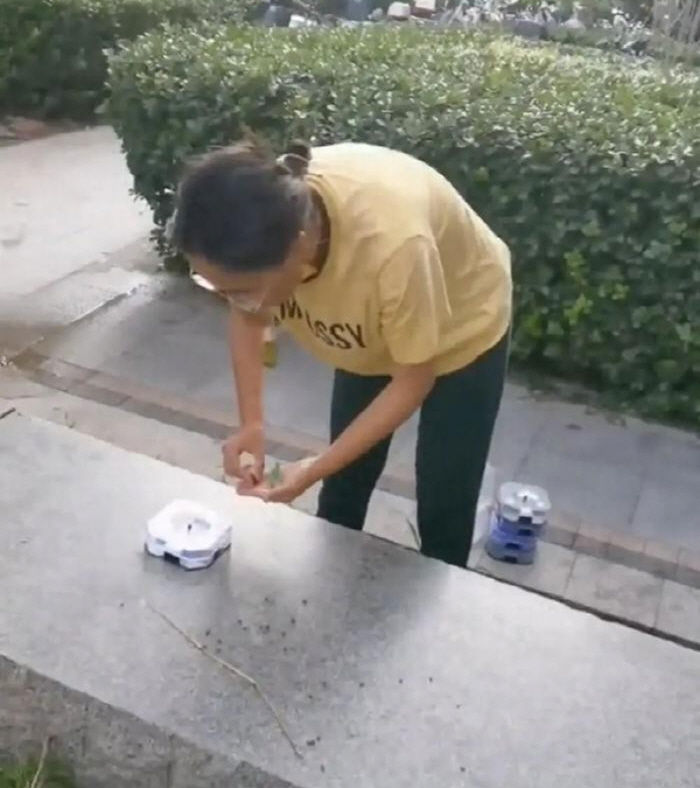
(207, 633)
(311, 743)
(304, 602)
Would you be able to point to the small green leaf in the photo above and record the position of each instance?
(276, 476)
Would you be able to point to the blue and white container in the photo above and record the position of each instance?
(520, 514)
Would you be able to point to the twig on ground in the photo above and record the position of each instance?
(39, 773)
(227, 666)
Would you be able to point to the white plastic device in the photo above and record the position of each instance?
(188, 534)
(518, 502)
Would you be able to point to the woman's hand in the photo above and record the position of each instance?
(250, 469)
(409, 386)
(296, 478)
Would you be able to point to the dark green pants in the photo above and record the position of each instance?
(454, 435)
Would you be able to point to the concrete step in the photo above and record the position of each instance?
(385, 667)
(104, 745)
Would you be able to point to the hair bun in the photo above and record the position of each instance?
(295, 161)
(300, 149)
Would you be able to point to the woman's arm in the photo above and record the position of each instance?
(409, 386)
(246, 337)
(414, 307)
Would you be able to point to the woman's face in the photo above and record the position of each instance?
(253, 292)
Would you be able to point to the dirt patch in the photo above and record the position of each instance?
(14, 130)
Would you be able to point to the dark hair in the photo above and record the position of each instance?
(240, 208)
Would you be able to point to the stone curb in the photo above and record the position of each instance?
(661, 560)
(107, 747)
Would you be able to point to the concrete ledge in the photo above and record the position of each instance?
(390, 670)
(105, 746)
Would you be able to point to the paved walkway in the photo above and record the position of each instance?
(65, 213)
(64, 203)
(632, 477)
(74, 209)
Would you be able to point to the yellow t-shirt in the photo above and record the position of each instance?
(412, 273)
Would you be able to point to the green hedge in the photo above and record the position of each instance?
(53, 52)
(588, 168)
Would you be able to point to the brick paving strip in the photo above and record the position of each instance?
(659, 560)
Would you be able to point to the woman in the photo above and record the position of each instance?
(376, 265)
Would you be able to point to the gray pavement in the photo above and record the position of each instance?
(332, 624)
(633, 477)
(73, 241)
(64, 203)
(66, 216)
